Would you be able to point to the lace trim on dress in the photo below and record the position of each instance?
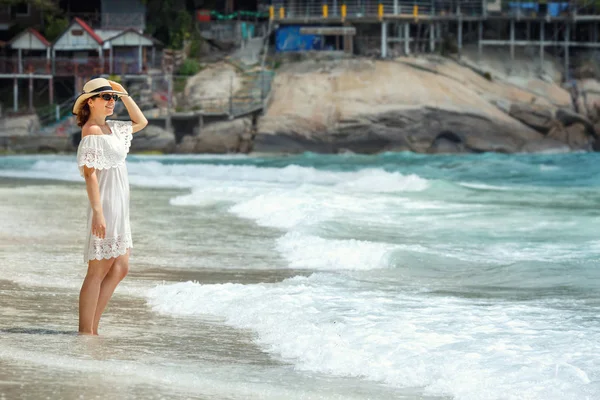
(94, 157)
(124, 128)
(102, 249)
(127, 141)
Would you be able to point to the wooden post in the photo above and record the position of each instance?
(512, 39)
(542, 33)
(384, 40)
(200, 123)
(51, 89)
(169, 101)
(431, 37)
(30, 92)
(140, 59)
(20, 60)
(458, 12)
(406, 38)
(15, 95)
(479, 38)
(567, 38)
(460, 24)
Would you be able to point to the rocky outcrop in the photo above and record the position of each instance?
(220, 137)
(211, 87)
(153, 138)
(422, 105)
(19, 126)
(37, 144)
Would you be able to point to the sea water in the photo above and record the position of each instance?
(317, 276)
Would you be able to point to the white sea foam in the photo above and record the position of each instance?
(156, 174)
(548, 168)
(306, 251)
(467, 349)
(483, 186)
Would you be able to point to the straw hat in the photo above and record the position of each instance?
(92, 88)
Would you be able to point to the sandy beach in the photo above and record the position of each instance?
(139, 353)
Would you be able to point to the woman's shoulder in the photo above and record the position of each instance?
(91, 130)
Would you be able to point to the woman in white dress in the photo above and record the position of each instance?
(101, 160)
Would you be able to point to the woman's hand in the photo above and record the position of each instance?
(117, 86)
(98, 225)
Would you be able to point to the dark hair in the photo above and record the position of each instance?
(83, 114)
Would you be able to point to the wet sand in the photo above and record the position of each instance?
(139, 353)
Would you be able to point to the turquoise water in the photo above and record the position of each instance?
(468, 277)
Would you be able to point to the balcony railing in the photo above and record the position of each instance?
(371, 8)
(64, 66)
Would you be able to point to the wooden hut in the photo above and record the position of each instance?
(78, 50)
(33, 52)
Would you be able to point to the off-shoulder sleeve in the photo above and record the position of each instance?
(124, 130)
(93, 152)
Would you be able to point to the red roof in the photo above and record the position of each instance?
(34, 33)
(39, 36)
(89, 30)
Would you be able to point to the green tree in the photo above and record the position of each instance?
(170, 21)
(55, 25)
(44, 5)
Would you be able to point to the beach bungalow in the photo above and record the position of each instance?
(82, 50)
(33, 52)
(78, 51)
(128, 51)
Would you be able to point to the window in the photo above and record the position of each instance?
(20, 10)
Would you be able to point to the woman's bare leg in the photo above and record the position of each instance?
(90, 290)
(117, 272)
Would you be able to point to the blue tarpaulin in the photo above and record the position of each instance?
(554, 9)
(289, 38)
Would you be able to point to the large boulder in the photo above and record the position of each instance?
(568, 117)
(153, 138)
(210, 89)
(537, 118)
(424, 130)
(589, 90)
(220, 137)
(38, 144)
(578, 137)
(418, 105)
(20, 125)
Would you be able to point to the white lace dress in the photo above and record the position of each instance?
(107, 153)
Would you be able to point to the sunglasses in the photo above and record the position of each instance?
(107, 96)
